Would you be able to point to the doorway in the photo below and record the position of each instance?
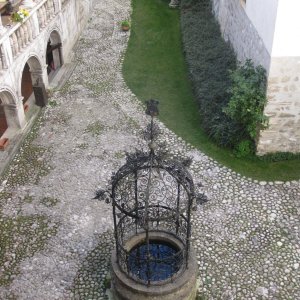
(53, 54)
(26, 86)
(3, 122)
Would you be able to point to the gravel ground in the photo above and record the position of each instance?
(56, 241)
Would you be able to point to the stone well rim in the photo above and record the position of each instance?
(179, 279)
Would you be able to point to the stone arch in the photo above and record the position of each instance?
(11, 116)
(26, 84)
(35, 69)
(34, 62)
(54, 53)
(8, 96)
(31, 77)
(3, 119)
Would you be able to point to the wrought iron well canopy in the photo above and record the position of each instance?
(152, 197)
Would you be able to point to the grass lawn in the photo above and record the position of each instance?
(154, 67)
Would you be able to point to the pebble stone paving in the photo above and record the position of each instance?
(56, 241)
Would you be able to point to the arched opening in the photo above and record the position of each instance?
(54, 58)
(3, 121)
(32, 85)
(11, 118)
(26, 86)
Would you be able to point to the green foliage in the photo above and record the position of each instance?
(95, 128)
(225, 131)
(154, 67)
(244, 148)
(125, 23)
(52, 103)
(107, 283)
(21, 237)
(49, 201)
(248, 98)
(20, 15)
(279, 156)
(231, 102)
(209, 59)
(200, 296)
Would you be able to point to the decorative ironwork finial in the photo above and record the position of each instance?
(152, 108)
(152, 130)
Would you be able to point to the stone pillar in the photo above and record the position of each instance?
(7, 51)
(57, 6)
(40, 94)
(15, 116)
(39, 86)
(40, 74)
(2, 29)
(44, 76)
(35, 23)
(174, 3)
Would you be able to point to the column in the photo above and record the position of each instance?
(2, 28)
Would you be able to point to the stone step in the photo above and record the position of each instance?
(62, 75)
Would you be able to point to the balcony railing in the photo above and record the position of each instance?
(17, 37)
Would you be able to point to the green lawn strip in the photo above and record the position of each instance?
(154, 67)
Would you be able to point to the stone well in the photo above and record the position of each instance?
(152, 197)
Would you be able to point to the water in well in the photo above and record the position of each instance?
(162, 262)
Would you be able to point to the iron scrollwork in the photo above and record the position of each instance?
(151, 193)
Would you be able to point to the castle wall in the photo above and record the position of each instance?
(283, 107)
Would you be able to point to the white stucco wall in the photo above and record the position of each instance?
(287, 29)
(237, 28)
(278, 24)
(262, 14)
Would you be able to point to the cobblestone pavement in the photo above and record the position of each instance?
(56, 241)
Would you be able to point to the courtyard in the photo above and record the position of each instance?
(56, 241)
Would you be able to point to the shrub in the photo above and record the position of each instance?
(209, 59)
(231, 102)
(244, 148)
(226, 132)
(279, 156)
(248, 98)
